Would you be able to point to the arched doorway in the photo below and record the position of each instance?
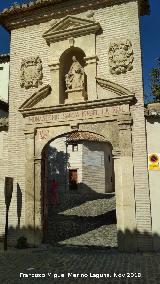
(83, 214)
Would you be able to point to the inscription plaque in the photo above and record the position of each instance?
(78, 114)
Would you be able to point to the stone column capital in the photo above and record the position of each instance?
(54, 65)
(125, 122)
(125, 135)
(74, 125)
(91, 59)
(116, 153)
(38, 159)
(30, 132)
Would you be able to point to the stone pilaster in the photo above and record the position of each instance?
(38, 201)
(91, 72)
(29, 185)
(55, 77)
(33, 211)
(124, 188)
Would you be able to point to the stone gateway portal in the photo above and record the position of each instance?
(77, 116)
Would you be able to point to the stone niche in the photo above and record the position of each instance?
(73, 85)
(73, 60)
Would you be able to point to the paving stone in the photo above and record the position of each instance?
(85, 261)
(83, 220)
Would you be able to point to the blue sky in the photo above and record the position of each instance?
(150, 37)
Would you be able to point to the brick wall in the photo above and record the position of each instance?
(3, 173)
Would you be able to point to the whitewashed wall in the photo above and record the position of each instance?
(91, 161)
(96, 167)
(153, 146)
(4, 81)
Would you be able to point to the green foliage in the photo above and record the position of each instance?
(22, 243)
(155, 81)
(145, 5)
(147, 2)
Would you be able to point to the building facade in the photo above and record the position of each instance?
(76, 67)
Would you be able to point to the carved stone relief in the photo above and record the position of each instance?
(121, 57)
(31, 72)
(75, 77)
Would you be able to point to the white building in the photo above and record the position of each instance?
(4, 76)
(82, 158)
(153, 147)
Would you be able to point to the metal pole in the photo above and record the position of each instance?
(8, 189)
(6, 230)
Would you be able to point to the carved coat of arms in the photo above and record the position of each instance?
(31, 72)
(121, 57)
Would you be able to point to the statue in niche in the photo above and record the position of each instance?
(75, 77)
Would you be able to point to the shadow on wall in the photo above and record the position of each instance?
(14, 233)
(123, 244)
(8, 191)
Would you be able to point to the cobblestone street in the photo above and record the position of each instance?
(83, 218)
(58, 264)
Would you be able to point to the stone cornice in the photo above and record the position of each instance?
(125, 122)
(116, 153)
(11, 18)
(117, 89)
(36, 97)
(77, 106)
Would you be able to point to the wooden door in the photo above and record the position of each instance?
(73, 179)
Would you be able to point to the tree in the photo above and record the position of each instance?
(155, 81)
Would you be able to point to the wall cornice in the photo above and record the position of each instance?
(77, 106)
(20, 15)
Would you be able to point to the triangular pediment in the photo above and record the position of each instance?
(113, 90)
(70, 27)
(37, 99)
